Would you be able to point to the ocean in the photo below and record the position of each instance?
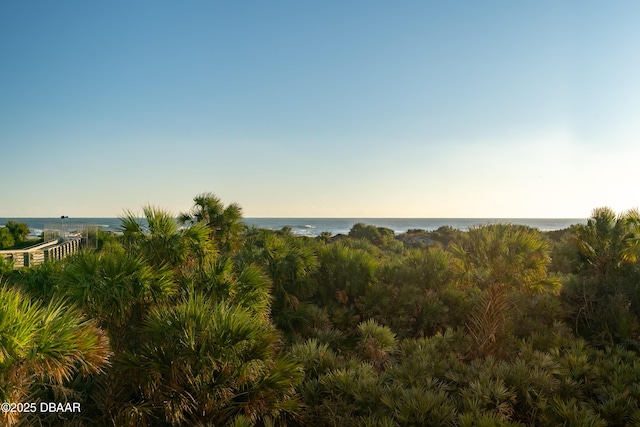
(314, 226)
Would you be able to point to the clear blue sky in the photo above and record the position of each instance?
(320, 109)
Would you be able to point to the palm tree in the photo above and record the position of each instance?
(503, 254)
(161, 241)
(604, 298)
(608, 242)
(500, 259)
(225, 223)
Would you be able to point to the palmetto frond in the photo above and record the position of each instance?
(570, 413)
(162, 242)
(419, 406)
(503, 254)
(376, 342)
(607, 240)
(212, 361)
(44, 343)
(316, 358)
(115, 287)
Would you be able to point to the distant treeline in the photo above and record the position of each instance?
(209, 322)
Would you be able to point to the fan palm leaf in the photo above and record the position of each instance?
(44, 344)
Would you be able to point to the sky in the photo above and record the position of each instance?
(417, 109)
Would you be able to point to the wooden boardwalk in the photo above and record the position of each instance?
(47, 251)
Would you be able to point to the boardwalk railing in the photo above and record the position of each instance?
(48, 251)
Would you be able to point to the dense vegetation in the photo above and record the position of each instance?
(208, 322)
(14, 234)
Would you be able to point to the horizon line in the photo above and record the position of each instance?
(327, 217)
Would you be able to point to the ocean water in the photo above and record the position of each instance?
(314, 226)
